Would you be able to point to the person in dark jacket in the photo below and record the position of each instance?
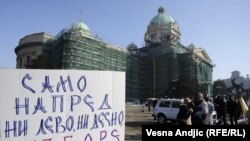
(232, 110)
(221, 108)
(185, 112)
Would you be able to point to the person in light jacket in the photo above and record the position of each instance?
(201, 115)
(210, 105)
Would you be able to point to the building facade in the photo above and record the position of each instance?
(149, 69)
(30, 47)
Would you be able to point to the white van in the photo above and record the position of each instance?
(167, 109)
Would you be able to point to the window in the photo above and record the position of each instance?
(161, 36)
(164, 104)
(206, 76)
(153, 37)
(28, 60)
(176, 104)
(72, 50)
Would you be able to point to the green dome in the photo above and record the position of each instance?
(162, 18)
(132, 48)
(132, 45)
(80, 26)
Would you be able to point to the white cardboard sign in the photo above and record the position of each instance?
(62, 105)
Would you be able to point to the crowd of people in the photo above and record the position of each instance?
(199, 111)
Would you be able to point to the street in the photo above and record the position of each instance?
(134, 119)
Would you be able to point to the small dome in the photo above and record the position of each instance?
(132, 47)
(162, 18)
(81, 27)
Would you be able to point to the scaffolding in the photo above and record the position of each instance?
(149, 70)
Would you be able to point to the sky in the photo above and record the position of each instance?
(221, 27)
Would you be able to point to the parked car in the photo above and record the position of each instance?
(167, 109)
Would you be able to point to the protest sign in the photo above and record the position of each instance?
(62, 105)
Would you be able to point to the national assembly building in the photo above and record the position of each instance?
(149, 69)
